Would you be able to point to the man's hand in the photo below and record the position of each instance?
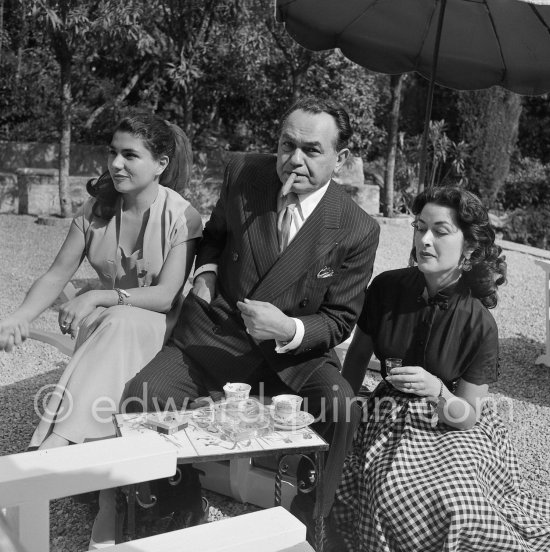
(204, 286)
(265, 321)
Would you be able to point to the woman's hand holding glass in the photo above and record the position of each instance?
(414, 380)
(13, 331)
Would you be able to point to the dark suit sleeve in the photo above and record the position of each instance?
(215, 231)
(344, 299)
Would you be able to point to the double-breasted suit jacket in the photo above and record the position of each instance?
(320, 278)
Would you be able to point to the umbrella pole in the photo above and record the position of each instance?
(429, 102)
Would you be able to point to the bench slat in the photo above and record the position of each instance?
(55, 473)
(271, 530)
(63, 343)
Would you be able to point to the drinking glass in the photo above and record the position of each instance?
(393, 363)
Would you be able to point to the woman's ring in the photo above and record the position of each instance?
(409, 385)
(64, 325)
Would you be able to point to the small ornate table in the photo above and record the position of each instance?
(201, 443)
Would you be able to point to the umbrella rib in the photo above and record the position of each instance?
(426, 31)
(504, 71)
(535, 10)
(359, 16)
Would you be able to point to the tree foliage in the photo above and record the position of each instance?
(534, 128)
(225, 71)
(489, 124)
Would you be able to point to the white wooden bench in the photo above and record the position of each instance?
(28, 481)
(271, 530)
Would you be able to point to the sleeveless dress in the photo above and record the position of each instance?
(115, 343)
(410, 484)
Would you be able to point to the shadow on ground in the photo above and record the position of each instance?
(21, 402)
(520, 378)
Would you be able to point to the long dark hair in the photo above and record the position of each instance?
(159, 137)
(488, 265)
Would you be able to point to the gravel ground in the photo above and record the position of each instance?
(521, 394)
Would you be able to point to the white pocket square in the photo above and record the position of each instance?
(325, 272)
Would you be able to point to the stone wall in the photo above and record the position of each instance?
(35, 165)
(85, 159)
(34, 190)
(38, 191)
(351, 176)
(366, 196)
(9, 197)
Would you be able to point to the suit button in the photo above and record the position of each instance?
(235, 256)
(304, 303)
(216, 329)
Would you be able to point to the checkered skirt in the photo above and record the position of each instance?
(410, 485)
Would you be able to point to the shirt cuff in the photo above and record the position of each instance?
(211, 267)
(285, 347)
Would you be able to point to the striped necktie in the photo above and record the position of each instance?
(290, 209)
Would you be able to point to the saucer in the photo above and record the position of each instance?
(300, 420)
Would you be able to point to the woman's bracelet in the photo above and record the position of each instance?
(440, 387)
(122, 296)
(439, 400)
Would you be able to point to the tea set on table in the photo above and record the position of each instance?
(241, 416)
(285, 409)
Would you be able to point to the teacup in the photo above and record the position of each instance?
(236, 391)
(286, 407)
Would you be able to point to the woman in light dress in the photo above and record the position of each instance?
(139, 235)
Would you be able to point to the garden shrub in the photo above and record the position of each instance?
(203, 190)
(526, 197)
(529, 226)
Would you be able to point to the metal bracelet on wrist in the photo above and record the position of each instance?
(440, 388)
(440, 399)
(122, 296)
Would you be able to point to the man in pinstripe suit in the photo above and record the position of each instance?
(269, 313)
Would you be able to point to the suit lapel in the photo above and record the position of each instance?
(260, 207)
(315, 239)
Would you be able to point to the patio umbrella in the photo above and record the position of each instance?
(461, 44)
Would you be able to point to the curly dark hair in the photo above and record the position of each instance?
(488, 264)
(161, 138)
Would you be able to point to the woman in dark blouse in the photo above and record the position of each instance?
(431, 467)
